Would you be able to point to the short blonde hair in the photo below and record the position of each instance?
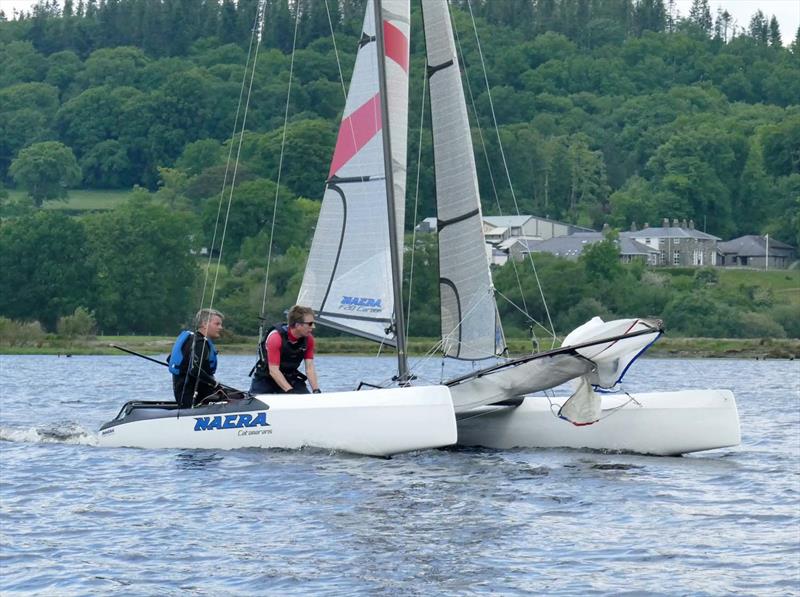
(204, 316)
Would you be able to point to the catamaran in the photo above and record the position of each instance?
(353, 281)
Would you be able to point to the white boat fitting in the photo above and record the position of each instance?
(660, 423)
(377, 422)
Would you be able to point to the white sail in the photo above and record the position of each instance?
(348, 275)
(470, 325)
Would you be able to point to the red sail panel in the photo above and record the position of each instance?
(356, 131)
(396, 44)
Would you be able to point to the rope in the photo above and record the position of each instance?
(255, 35)
(416, 199)
(505, 164)
(280, 169)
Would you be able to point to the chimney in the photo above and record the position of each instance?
(633, 226)
(691, 224)
(675, 223)
(683, 223)
(665, 223)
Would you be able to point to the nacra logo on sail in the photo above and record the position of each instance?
(231, 421)
(360, 303)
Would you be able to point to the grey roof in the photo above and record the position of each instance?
(752, 246)
(506, 221)
(513, 221)
(670, 232)
(573, 244)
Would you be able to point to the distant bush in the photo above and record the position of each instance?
(583, 312)
(759, 325)
(788, 316)
(20, 333)
(80, 323)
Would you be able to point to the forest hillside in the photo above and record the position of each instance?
(604, 112)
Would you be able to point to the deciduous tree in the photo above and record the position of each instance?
(46, 170)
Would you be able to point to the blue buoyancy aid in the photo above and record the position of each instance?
(175, 358)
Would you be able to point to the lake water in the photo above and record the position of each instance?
(76, 519)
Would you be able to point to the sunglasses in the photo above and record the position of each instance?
(309, 323)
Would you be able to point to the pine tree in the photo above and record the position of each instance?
(775, 40)
(700, 15)
(758, 28)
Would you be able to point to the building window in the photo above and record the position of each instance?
(676, 258)
(677, 241)
(663, 258)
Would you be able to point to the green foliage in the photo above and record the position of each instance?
(20, 333)
(607, 112)
(45, 259)
(47, 170)
(706, 277)
(145, 272)
(251, 215)
(788, 317)
(80, 323)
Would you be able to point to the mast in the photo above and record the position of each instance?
(397, 289)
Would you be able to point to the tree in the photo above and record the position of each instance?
(758, 28)
(145, 269)
(700, 16)
(775, 33)
(251, 216)
(26, 116)
(47, 170)
(44, 258)
(601, 261)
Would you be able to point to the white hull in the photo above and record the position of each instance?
(372, 422)
(661, 423)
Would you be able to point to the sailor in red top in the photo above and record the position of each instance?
(280, 355)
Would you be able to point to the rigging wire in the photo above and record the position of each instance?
(505, 165)
(278, 176)
(255, 38)
(416, 196)
(525, 311)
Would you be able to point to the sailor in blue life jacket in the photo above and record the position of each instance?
(280, 352)
(193, 360)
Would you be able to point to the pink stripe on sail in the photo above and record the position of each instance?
(396, 44)
(356, 130)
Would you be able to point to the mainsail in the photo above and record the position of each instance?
(348, 277)
(470, 323)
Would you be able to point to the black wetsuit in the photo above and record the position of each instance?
(196, 372)
(292, 355)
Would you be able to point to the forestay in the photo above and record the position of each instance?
(470, 323)
(348, 275)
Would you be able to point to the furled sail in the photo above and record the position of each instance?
(348, 275)
(470, 324)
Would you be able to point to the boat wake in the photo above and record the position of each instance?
(53, 433)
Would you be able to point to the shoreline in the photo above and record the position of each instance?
(665, 347)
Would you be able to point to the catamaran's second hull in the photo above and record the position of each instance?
(660, 423)
(377, 422)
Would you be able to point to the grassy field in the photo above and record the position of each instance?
(82, 199)
(785, 284)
